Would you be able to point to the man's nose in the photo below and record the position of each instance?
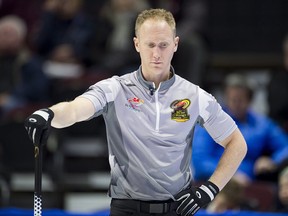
(156, 53)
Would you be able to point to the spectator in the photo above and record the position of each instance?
(278, 105)
(283, 191)
(30, 15)
(120, 53)
(20, 82)
(63, 38)
(191, 15)
(267, 142)
(231, 198)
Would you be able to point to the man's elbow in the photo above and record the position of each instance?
(237, 141)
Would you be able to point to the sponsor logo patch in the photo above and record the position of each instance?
(180, 113)
(134, 103)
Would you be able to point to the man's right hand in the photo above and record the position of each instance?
(38, 125)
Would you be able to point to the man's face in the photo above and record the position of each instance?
(156, 45)
(237, 101)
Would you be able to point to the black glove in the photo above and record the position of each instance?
(38, 125)
(194, 198)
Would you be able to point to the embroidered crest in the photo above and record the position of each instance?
(180, 113)
(134, 103)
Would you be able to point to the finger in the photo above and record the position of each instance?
(189, 207)
(195, 210)
(184, 201)
(44, 137)
(35, 136)
(30, 133)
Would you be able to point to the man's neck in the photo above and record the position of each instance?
(158, 79)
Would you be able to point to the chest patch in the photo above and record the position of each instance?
(134, 104)
(179, 110)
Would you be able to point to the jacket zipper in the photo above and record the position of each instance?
(157, 105)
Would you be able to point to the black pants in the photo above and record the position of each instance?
(125, 207)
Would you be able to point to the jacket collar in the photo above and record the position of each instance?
(150, 85)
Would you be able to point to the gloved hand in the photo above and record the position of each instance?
(194, 198)
(38, 125)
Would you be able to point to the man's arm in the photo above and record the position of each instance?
(68, 113)
(235, 150)
(61, 115)
(194, 198)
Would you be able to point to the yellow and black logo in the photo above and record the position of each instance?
(179, 112)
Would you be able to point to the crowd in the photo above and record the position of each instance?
(67, 39)
(64, 39)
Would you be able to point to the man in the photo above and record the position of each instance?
(267, 142)
(150, 116)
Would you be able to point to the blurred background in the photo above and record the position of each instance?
(53, 50)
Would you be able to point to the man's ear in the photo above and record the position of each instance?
(136, 43)
(176, 42)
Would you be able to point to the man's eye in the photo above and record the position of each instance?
(163, 45)
(151, 45)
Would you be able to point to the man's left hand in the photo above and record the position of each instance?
(194, 198)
